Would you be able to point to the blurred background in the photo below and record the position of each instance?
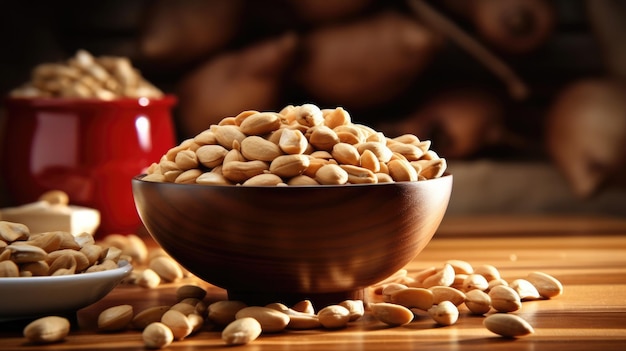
(524, 98)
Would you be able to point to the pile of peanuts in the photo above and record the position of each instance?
(300, 145)
(25, 254)
(85, 76)
(437, 292)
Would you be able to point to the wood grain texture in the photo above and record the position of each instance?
(590, 315)
(291, 243)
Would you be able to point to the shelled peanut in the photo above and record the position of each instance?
(300, 145)
(26, 254)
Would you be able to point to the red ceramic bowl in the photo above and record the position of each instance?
(89, 148)
(285, 244)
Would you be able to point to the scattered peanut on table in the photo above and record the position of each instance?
(438, 292)
(394, 302)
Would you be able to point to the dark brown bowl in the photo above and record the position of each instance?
(271, 244)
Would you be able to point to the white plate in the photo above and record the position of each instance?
(28, 297)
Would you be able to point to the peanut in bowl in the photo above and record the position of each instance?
(265, 244)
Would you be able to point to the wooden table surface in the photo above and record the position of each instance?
(588, 255)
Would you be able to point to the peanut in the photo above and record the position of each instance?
(331, 174)
(293, 142)
(47, 330)
(308, 115)
(49, 241)
(178, 323)
(446, 293)
(148, 316)
(334, 316)
(211, 156)
(212, 178)
(359, 175)
(461, 267)
(504, 299)
(488, 271)
(157, 335)
(168, 269)
(55, 197)
(391, 288)
(477, 301)
(496, 282)
(190, 291)
(241, 331)
(391, 314)
(546, 285)
(289, 166)
(271, 320)
(444, 313)
(264, 179)
(260, 123)
(443, 277)
(355, 307)
(240, 171)
(475, 281)
(115, 318)
(9, 268)
(23, 253)
(413, 298)
(223, 312)
(257, 148)
(302, 321)
(508, 325)
(304, 306)
(525, 289)
(184, 308)
(336, 117)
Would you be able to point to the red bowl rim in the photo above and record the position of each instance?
(166, 100)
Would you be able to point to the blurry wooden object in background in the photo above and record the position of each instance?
(586, 125)
(512, 26)
(460, 122)
(177, 32)
(316, 12)
(586, 133)
(249, 78)
(607, 23)
(364, 63)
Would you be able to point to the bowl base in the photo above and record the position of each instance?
(318, 300)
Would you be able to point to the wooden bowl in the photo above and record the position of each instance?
(286, 244)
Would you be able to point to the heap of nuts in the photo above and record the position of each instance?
(85, 76)
(300, 145)
(25, 254)
(436, 291)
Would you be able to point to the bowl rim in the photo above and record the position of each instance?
(165, 100)
(123, 269)
(138, 179)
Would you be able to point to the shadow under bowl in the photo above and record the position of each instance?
(286, 244)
